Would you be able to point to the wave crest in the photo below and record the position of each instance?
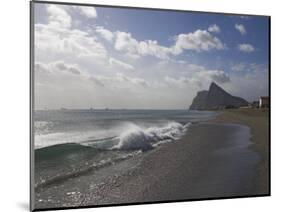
(136, 138)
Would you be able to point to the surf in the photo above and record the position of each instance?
(127, 136)
(137, 138)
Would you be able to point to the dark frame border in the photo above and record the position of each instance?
(31, 108)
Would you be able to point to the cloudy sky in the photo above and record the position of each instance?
(126, 58)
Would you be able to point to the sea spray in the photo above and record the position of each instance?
(111, 128)
(137, 138)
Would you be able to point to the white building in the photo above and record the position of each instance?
(264, 102)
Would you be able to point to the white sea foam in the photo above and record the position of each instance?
(50, 139)
(137, 138)
(54, 138)
(45, 136)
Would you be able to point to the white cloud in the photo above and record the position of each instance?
(249, 83)
(70, 68)
(125, 42)
(238, 67)
(151, 47)
(53, 40)
(244, 47)
(249, 86)
(132, 80)
(200, 40)
(41, 68)
(249, 67)
(114, 62)
(57, 39)
(214, 28)
(218, 76)
(207, 76)
(241, 28)
(57, 67)
(178, 81)
(183, 81)
(195, 75)
(140, 81)
(97, 81)
(58, 17)
(106, 34)
(88, 11)
(119, 80)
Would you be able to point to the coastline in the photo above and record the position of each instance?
(210, 161)
(258, 121)
(214, 159)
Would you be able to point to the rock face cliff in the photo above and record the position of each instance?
(216, 98)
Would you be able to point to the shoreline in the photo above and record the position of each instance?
(214, 159)
(258, 121)
(215, 164)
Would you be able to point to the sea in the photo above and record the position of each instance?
(69, 143)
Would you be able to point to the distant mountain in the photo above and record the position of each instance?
(215, 98)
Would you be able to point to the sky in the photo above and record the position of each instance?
(106, 57)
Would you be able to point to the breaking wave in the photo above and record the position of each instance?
(129, 136)
(91, 155)
(136, 138)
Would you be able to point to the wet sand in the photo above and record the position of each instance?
(258, 121)
(211, 160)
